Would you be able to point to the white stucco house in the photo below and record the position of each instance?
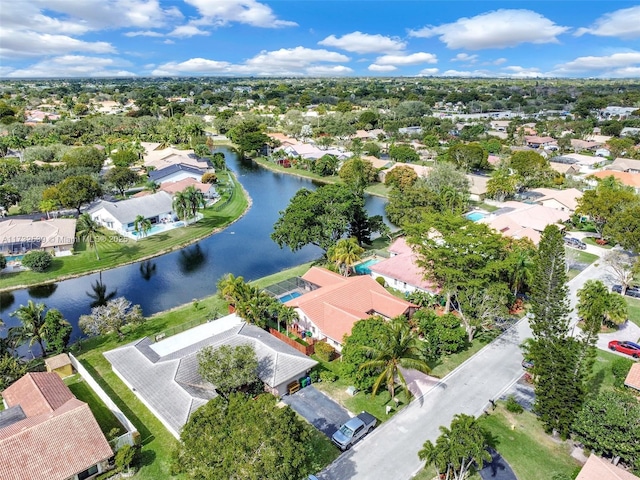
(120, 216)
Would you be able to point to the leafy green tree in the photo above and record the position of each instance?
(623, 226)
(319, 217)
(89, 231)
(619, 146)
(468, 156)
(608, 424)
(623, 267)
(244, 438)
(325, 166)
(403, 153)
(248, 136)
(3, 261)
(11, 369)
(56, 331)
(450, 186)
(398, 347)
(597, 302)
(89, 157)
(532, 168)
(121, 178)
(558, 378)
(466, 260)
(9, 196)
(112, 317)
(125, 457)
(441, 334)
(357, 174)
(344, 254)
(74, 191)
(402, 177)
(520, 264)
(603, 202)
(124, 158)
(364, 333)
(457, 449)
(502, 185)
(37, 260)
(372, 148)
(228, 368)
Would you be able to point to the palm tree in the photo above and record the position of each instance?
(151, 186)
(617, 310)
(398, 347)
(195, 200)
(89, 230)
(344, 254)
(141, 225)
(32, 317)
(231, 288)
(521, 269)
(286, 315)
(181, 205)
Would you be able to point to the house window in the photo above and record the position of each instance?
(88, 472)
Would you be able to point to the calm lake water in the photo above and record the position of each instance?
(245, 249)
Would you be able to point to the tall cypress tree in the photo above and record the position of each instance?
(556, 355)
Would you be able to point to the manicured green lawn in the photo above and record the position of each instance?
(115, 250)
(591, 241)
(522, 442)
(581, 257)
(634, 310)
(107, 421)
(449, 363)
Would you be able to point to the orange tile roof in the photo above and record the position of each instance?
(598, 469)
(626, 178)
(59, 437)
(342, 301)
(37, 393)
(633, 377)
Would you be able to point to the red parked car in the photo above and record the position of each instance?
(629, 348)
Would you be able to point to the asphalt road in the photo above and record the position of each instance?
(391, 451)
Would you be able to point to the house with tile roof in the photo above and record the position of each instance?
(625, 165)
(120, 216)
(55, 236)
(175, 172)
(626, 178)
(597, 468)
(632, 379)
(477, 187)
(47, 433)
(565, 200)
(535, 141)
(401, 270)
(157, 158)
(330, 311)
(164, 374)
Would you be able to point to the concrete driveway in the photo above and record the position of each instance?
(318, 409)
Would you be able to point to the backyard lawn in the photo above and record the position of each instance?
(114, 250)
(109, 424)
(634, 310)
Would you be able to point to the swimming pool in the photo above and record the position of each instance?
(289, 296)
(475, 216)
(13, 258)
(363, 268)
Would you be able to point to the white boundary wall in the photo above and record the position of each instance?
(126, 423)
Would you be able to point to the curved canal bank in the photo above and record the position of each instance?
(244, 249)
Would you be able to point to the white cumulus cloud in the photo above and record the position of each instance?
(428, 72)
(193, 66)
(516, 71)
(497, 29)
(23, 44)
(411, 59)
(465, 57)
(623, 23)
(323, 70)
(250, 12)
(75, 66)
(593, 63)
(374, 67)
(143, 33)
(359, 42)
(466, 73)
(187, 31)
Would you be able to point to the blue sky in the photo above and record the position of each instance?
(516, 38)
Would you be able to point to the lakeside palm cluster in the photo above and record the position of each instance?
(422, 144)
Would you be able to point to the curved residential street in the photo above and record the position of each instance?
(391, 451)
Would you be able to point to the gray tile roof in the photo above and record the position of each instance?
(11, 415)
(148, 206)
(172, 386)
(158, 175)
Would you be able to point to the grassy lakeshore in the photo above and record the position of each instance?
(115, 251)
(377, 189)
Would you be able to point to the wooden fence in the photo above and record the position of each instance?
(307, 350)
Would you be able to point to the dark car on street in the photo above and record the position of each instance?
(632, 291)
(628, 348)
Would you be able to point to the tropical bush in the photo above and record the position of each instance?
(328, 376)
(513, 406)
(37, 261)
(324, 351)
